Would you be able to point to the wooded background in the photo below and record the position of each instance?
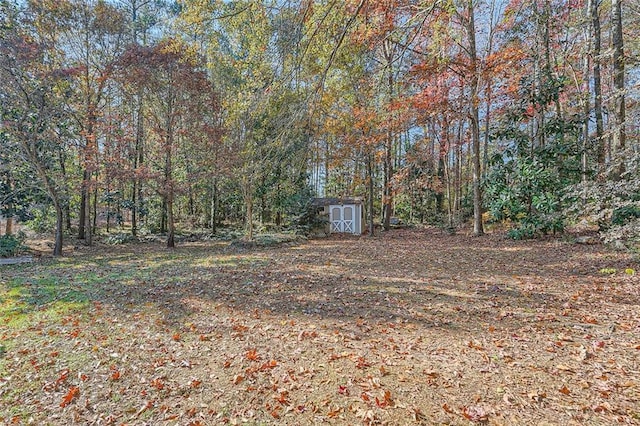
(143, 116)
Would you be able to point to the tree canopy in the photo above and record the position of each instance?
(168, 116)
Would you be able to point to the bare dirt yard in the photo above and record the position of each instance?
(411, 327)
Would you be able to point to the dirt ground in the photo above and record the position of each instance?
(411, 327)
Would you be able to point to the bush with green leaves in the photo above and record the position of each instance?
(43, 219)
(625, 214)
(12, 245)
(302, 213)
(525, 192)
(527, 178)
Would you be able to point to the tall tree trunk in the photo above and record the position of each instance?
(586, 71)
(541, 72)
(546, 19)
(168, 174)
(90, 159)
(449, 185)
(82, 215)
(67, 216)
(249, 213)
(84, 224)
(134, 206)
(487, 127)
(478, 228)
(88, 240)
(89, 149)
(171, 231)
(214, 206)
(488, 91)
(442, 178)
(94, 228)
(138, 205)
(8, 229)
(192, 203)
(457, 170)
(138, 159)
(169, 191)
(247, 189)
(108, 215)
(619, 134)
(327, 156)
(597, 85)
(370, 215)
(57, 246)
(278, 210)
(89, 121)
(387, 194)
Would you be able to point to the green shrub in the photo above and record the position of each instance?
(305, 217)
(625, 214)
(12, 245)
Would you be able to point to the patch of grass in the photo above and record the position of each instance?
(12, 307)
(41, 291)
(26, 301)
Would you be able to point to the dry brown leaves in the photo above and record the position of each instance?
(412, 327)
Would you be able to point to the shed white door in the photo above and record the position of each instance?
(343, 219)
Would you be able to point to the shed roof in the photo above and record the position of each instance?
(321, 202)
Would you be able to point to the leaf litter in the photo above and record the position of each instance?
(411, 327)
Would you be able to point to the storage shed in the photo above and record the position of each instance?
(344, 214)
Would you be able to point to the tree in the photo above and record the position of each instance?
(619, 107)
(32, 93)
(596, 37)
(263, 96)
(468, 18)
(142, 17)
(183, 109)
(94, 36)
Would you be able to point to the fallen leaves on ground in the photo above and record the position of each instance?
(411, 327)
